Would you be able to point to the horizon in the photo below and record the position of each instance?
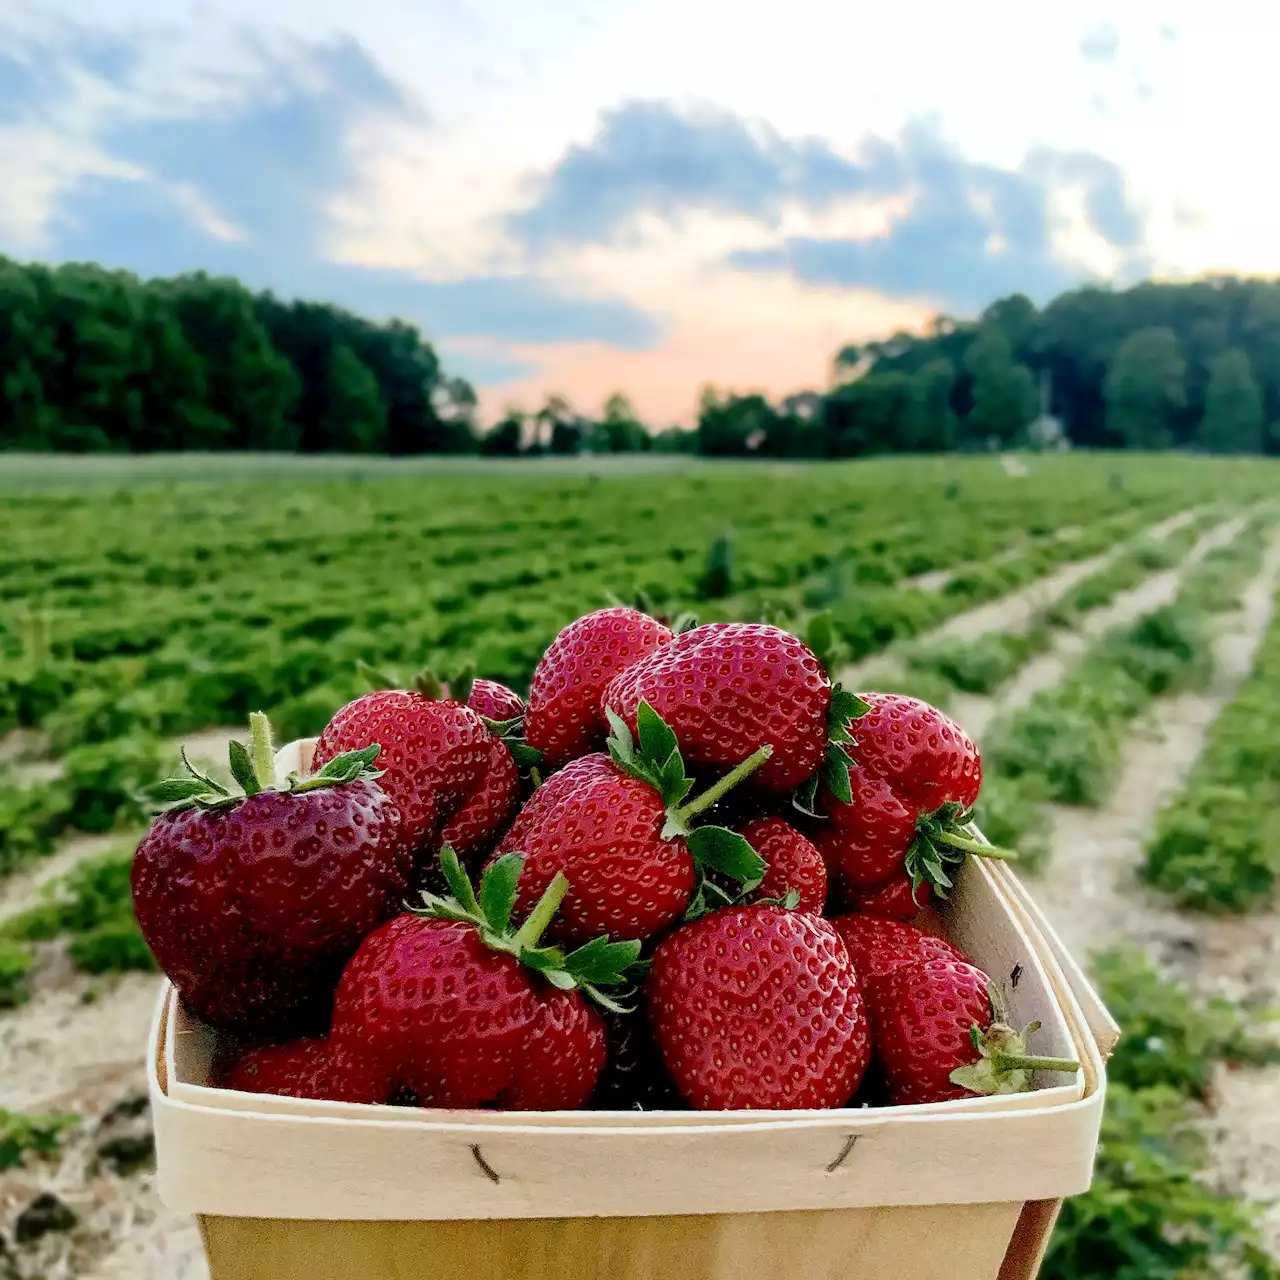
(685, 219)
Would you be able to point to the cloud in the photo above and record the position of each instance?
(235, 168)
(969, 232)
(649, 156)
(1100, 44)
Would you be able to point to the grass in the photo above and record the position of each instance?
(21, 1135)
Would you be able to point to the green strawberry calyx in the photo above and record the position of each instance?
(598, 963)
(845, 707)
(656, 759)
(943, 841)
(254, 769)
(1003, 1064)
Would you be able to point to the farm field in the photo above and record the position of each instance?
(1104, 625)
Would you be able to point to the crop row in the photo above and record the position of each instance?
(1151, 1210)
(1215, 845)
(1064, 746)
(173, 661)
(984, 665)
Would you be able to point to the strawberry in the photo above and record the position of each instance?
(896, 817)
(792, 862)
(253, 902)
(494, 701)
(437, 755)
(759, 1007)
(296, 1069)
(563, 718)
(473, 831)
(941, 1033)
(619, 828)
(728, 687)
(877, 945)
(459, 1009)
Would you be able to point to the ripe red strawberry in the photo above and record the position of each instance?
(877, 946)
(726, 688)
(253, 903)
(940, 1033)
(758, 1007)
(474, 830)
(437, 753)
(494, 701)
(895, 818)
(619, 829)
(563, 718)
(295, 1068)
(792, 863)
(462, 1011)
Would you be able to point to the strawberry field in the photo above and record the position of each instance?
(1102, 626)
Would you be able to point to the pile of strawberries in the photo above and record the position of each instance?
(681, 875)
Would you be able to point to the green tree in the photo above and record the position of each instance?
(1003, 391)
(1233, 420)
(931, 424)
(355, 419)
(504, 440)
(732, 424)
(1144, 388)
(620, 429)
(868, 415)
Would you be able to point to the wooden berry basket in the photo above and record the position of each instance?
(967, 1190)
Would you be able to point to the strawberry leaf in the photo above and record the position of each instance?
(242, 768)
(602, 961)
(684, 622)
(459, 883)
(727, 852)
(805, 797)
(173, 790)
(211, 784)
(498, 891)
(835, 769)
(845, 706)
(657, 739)
(525, 756)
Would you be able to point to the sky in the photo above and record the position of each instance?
(591, 195)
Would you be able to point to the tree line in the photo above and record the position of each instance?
(92, 359)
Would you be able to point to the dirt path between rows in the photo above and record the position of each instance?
(1016, 611)
(1091, 893)
(1048, 669)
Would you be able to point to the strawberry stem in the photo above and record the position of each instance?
(967, 844)
(1029, 1062)
(542, 913)
(263, 752)
(726, 784)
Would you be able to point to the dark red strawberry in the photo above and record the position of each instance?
(483, 819)
(563, 718)
(459, 1009)
(634, 1076)
(941, 1033)
(726, 688)
(494, 701)
(896, 815)
(877, 945)
(620, 829)
(252, 903)
(900, 899)
(758, 1007)
(296, 1069)
(791, 861)
(437, 753)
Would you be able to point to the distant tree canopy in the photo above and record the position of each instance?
(92, 359)
(1152, 367)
